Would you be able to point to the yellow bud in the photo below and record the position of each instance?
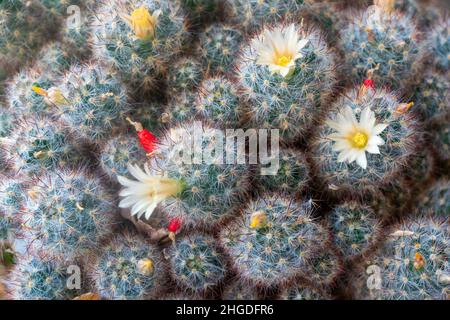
(145, 267)
(39, 91)
(143, 22)
(258, 220)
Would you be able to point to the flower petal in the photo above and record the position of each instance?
(379, 128)
(372, 148)
(361, 160)
(375, 140)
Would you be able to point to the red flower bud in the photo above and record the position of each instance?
(174, 225)
(148, 140)
(368, 83)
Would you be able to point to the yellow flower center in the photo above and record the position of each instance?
(143, 23)
(359, 140)
(283, 60)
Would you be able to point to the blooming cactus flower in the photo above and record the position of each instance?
(144, 194)
(353, 139)
(279, 49)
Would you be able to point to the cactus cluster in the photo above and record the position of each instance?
(226, 149)
(73, 46)
(34, 278)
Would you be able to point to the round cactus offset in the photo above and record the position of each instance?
(383, 42)
(24, 26)
(218, 102)
(34, 278)
(39, 144)
(437, 199)
(301, 292)
(432, 94)
(219, 45)
(120, 151)
(31, 92)
(95, 102)
(140, 38)
(355, 227)
(285, 86)
(367, 139)
(202, 10)
(127, 268)
(291, 176)
(68, 213)
(439, 41)
(196, 264)
(414, 263)
(274, 241)
(185, 75)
